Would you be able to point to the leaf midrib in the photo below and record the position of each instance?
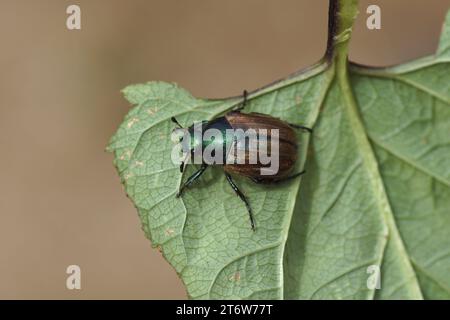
(371, 164)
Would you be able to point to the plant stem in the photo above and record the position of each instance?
(341, 16)
(332, 27)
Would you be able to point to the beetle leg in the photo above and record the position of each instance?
(266, 181)
(243, 198)
(191, 179)
(290, 177)
(244, 94)
(296, 126)
(244, 102)
(184, 162)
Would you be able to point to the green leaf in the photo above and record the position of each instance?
(376, 191)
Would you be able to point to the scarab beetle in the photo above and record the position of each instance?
(287, 151)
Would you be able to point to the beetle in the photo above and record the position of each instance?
(235, 119)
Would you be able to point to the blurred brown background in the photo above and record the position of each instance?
(61, 201)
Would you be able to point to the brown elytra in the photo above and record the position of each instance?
(287, 146)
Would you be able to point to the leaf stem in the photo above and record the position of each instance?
(332, 28)
(342, 16)
(345, 17)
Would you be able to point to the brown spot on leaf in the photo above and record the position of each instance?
(236, 276)
(152, 111)
(127, 176)
(132, 122)
(139, 163)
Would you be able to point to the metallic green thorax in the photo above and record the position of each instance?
(205, 134)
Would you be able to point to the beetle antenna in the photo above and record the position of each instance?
(176, 122)
(296, 126)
